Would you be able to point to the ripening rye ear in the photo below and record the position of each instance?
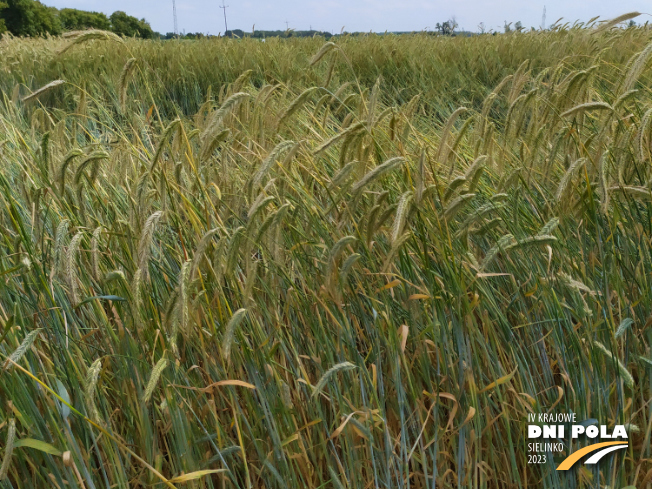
(81, 37)
(8, 449)
(92, 377)
(325, 49)
(44, 89)
(615, 21)
(229, 332)
(154, 378)
(127, 70)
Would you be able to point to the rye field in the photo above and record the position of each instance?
(307, 264)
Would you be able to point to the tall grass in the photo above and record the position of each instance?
(326, 274)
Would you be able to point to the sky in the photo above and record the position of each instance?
(206, 16)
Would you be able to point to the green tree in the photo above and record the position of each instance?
(447, 28)
(30, 18)
(72, 20)
(3, 26)
(128, 26)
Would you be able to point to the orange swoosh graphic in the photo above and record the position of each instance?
(575, 456)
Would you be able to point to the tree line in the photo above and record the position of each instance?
(32, 18)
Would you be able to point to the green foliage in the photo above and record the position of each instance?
(263, 34)
(128, 26)
(3, 25)
(30, 18)
(446, 28)
(74, 20)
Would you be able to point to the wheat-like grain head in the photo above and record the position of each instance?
(90, 385)
(71, 265)
(123, 83)
(154, 378)
(145, 242)
(19, 352)
(9, 449)
(229, 332)
(95, 251)
(80, 37)
(340, 367)
(44, 89)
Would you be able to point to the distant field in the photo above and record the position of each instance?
(300, 264)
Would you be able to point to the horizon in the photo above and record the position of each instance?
(206, 17)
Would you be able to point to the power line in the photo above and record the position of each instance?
(174, 13)
(224, 7)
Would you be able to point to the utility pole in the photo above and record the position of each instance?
(224, 7)
(174, 13)
(543, 19)
(287, 26)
